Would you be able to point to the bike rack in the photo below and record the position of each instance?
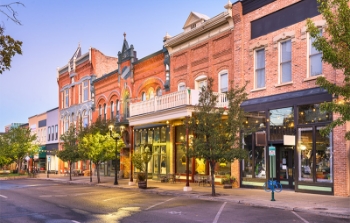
(272, 186)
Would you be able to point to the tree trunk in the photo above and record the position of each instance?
(212, 166)
(98, 172)
(70, 171)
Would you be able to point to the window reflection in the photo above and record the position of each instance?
(281, 123)
(323, 157)
(306, 154)
(312, 113)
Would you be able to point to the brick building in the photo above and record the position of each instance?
(76, 102)
(274, 52)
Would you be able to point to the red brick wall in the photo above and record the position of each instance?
(244, 71)
(208, 58)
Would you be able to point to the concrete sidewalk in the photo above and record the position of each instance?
(287, 199)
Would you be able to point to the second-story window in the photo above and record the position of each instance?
(286, 61)
(86, 90)
(260, 68)
(48, 133)
(85, 119)
(159, 92)
(143, 97)
(105, 112)
(112, 110)
(223, 82)
(315, 58)
(66, 98)
(52, 133)
(181, 86)
(100, 112)
(56, 132)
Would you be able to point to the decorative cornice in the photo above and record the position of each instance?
(210, 24)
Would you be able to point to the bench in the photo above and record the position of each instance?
(5, 172)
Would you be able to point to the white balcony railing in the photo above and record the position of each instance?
(172, 100)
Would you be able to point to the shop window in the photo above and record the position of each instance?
(163, 135)
(255, 120)
(315, 155)
(260, 68)
(255, 165)
(281, 123)
(137, 138)
(309, 114)
(286, 61)
(222, 168)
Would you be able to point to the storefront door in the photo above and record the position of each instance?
(286, 168)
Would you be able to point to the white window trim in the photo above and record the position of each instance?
(308, 76)
(199, 79)
(255, 87)
(279, 62)
(181, 84)
(219, 80)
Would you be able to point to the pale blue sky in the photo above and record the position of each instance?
(51, 32)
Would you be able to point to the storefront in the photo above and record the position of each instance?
(156, 139)
(306, 164)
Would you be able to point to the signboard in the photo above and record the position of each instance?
(48, 158)
(272, 151)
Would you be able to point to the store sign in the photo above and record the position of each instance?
(272, 151)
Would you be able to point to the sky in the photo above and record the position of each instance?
(51, 31)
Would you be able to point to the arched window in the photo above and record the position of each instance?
(104, 112)
(159, 92)
(181, 86)
(200, 82)
(85, 119)
(112, 110)
(143, 97)
(99, 112)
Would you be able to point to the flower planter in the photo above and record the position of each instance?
(142, 184)
(227, 186)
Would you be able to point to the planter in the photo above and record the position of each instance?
(142, 184)
(227, 186)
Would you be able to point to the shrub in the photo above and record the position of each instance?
(227, 179)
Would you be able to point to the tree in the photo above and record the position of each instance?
(217, 130)
(70, 152)
(140, 161)
(9, 47)
(97, 148)
(335, 47)
(15, 145)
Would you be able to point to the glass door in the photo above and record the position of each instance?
(286, 170)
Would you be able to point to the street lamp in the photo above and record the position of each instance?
(116, 151)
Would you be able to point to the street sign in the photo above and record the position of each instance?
(48, 158)
(272, 151)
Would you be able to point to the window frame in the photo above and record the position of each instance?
(309, 55)
(281, 62)
(220, 74)
(258, 69)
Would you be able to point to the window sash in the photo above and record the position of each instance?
(260, 69)
(286, 61)
(224, 82)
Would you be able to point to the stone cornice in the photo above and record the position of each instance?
(210, 24)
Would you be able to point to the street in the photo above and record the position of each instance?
(33, 200)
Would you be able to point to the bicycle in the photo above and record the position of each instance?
(273, 185)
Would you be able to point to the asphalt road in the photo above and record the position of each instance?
(31, 200)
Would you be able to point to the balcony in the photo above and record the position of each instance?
(172, 100)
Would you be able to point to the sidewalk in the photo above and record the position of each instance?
(288, 199)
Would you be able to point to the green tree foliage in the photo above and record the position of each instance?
(140, 161)
(98, 148)
(217, 130)
(335, 46)
(15, 145)
(9, 47)
(70, 152)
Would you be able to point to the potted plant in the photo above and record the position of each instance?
(227, 181)
(140, 162)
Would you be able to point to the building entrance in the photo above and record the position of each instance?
(285, 171)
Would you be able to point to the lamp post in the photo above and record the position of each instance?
(116, 151)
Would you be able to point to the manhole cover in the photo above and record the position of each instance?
(320, 208)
